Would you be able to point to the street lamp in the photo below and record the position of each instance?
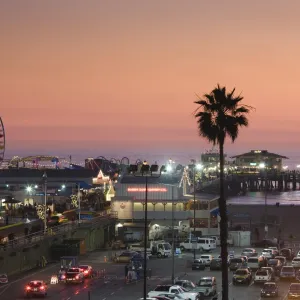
(146, 171)
(194, 167)
(262, 166)
(45, 200)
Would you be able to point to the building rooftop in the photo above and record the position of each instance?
(260, 153)
(164, 179)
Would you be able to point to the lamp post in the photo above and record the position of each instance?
(45, 201)
(146, 171)
(79, 208)
(262, 166)
(194, 167)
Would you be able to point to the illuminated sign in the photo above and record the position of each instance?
(253, 164)
(157, 190)
(257, 151)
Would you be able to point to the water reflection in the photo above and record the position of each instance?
(290, 197)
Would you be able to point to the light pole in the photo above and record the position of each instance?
(146, 171)
(262, 166)
(45, 201)
(79, 208)
(194, 167)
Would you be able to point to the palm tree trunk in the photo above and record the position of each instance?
(223, 226)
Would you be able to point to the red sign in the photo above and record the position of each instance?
(157, 190)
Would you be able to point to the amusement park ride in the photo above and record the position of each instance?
(108, 170)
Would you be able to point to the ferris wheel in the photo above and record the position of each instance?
(2, 141)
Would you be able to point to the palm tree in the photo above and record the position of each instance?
(220, 114)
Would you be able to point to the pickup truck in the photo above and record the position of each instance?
(175, 290)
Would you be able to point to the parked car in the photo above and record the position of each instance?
(275, 250)
(276, 265)
(265, 243)
(262, 276)
(294, 291)
(287, 272)
(207, 285)
(215, 264)
(271, 271)
(126, 256)
(186, 284)
(206, 258)
(282, 259)
(270, 289)
(248, 252)
(268, 253)
(236, 263)
(296, 262)
(198, 264)
(254, 263)
(242, 276)
(287, 253)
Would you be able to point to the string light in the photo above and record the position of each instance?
(40, 209)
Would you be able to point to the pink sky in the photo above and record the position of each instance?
(121, 76)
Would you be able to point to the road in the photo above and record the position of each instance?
(113, 287)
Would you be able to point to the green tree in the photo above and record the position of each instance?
(220, 114)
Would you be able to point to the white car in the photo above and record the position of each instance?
(248, 252)
(172, 289)
(296, 262)
(267, 253)
(275, 250)
(262, 276)
(207, 258)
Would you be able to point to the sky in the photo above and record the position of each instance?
(115, 77)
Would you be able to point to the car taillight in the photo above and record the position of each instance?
(77, 277)
(42, 287)
(86, 272)
(28, 288)
(63, 276)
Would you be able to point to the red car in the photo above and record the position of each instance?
(86, 270)
(36, 288)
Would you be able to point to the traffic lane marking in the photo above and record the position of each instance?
(29, 275)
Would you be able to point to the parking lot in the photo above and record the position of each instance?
(112, 286)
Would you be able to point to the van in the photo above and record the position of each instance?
(206, 244)
(217, 239)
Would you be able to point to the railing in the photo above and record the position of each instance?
(25, 241)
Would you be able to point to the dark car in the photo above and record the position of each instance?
(287, 253)
(198, 264)
(36, 288)
(236, 263)
(216, 264)
(287, 272)
(294, 291)
(270, 289)
(265, 243)
(275, 264)
(74, 275)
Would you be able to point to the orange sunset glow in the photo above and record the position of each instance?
(111, 76)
